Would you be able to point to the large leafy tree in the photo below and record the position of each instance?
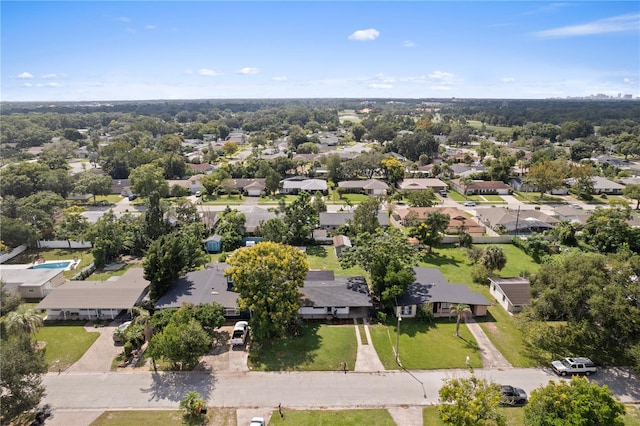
(607, 231)
(267, 277)
(470, 402)
(365, 217)
(632, 191)
(393, 170)
(426, 198)
(301, 219)
(91, 183)
(596, 297)
(169, 257)
(154, 223)
(22, 367)
(387, 256)
(493, 258)
(582, 176)
(147, 179)
(73, 226)
(274, 230)
(232, 229)
(548, 175)
(107, 238)
(181, 343)
(575, 403)
(431, 230)
(23, 321)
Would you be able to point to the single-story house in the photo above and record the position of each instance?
(572, 214)
(250, 187)
(31, 283)
(479, 187)
(422, 185)
(331, 221)
(205, 286)
(213, 244)
(340, 243)
(457, 218)
(512, 293)
(96, 299)
(522, 185)
(205, 168)
(369, 186)
(254, 215)
(295, 185)
(602, 186)
(516, 222)
(192, 183)
(325, 296)
(462, 170)
(432, 287)
(121, 187)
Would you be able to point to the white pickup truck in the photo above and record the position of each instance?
(574, 366)
(240, 332)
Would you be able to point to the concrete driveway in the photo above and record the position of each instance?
(99, 356)
(224, 357)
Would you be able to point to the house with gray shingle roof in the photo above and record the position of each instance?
(513, 294)
(325, 296)
(204, 286)
(297, 184)
(369, 186)
(331, 221)
(430, 286)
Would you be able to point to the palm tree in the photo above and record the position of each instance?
(460, 310)
(143, 317)
(23, 321)
(465, 181)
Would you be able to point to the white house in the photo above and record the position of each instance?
(513, 294)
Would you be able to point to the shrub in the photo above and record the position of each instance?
(425, 312)
(128, 349)
(479, 274)
(382, 317)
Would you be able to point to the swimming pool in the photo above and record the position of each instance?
(52, 265)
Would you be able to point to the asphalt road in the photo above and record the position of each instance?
(148, 390)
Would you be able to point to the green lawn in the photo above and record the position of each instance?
(215, 416)
(534, 198)
(222, 200)
(319, 347)
(65, 344)
(379, 417)
(111, 198)
(478, 125)
(494, 199)
(354, 199)
(515, 416)
(425, 346)
(498, 325)
(324, 257)
(104, 276)
(275, 199)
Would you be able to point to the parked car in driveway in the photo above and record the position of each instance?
(257, 421)
(469, 203)
(118, 333)
(512, 396)
(240, 332)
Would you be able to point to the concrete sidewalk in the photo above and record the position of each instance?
(367, 358)
(99, 356)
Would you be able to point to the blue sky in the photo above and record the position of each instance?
(82, 51)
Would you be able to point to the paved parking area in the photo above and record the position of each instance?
(224, 357)
(99, 356)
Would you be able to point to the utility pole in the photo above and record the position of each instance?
(517, 220)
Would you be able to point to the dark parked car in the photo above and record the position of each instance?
(513, 396)
(133, 197)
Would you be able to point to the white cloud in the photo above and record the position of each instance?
(208, 72)
(380, 86)
(130, 30)
(188, 72)
(507, 79)
(365, 35)
(25, 75)
(27, 85)
(248, 71)
(123, 19)
(280, 78)
(441, 76)
(53, 84)
(619, 23)
(628, 81)
(408, 43)
(53, 75)
(150, 27)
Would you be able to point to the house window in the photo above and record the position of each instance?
(504, 297)
(406, 310)
(445, 305)
(30, 290)
(329, 311)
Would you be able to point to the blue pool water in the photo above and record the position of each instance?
(52, 265)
